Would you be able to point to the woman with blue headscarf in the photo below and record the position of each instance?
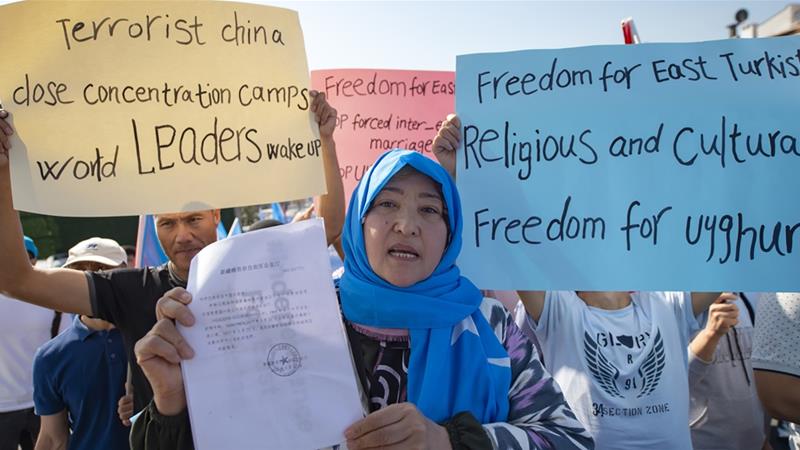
(442, 366)
(458, 358)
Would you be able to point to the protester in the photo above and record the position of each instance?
(620, 357)
(127, 298)
(776, 358)
(725, 413)
(24, 327)
(79, 376)
(442, 366)
(627, 377)
(130, 251)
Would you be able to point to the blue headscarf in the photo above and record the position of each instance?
(457, 363)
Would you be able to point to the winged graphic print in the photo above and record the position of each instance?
(652, 367)
(605, 373)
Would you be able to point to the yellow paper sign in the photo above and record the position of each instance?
(123, 108)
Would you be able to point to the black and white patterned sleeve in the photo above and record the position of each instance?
(539, 416)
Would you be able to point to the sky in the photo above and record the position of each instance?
(427, 35)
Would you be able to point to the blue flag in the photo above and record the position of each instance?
(277, 213)
(236, 228)
(148, 249)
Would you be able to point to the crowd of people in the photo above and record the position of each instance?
(91, 347)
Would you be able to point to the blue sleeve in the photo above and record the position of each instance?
(46, 398)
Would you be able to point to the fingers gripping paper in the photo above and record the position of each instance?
(123, 108)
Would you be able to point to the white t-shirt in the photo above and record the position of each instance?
(24, 328)
(777, 336)
(624, 372)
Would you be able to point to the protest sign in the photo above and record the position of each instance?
(383, 109)
(646, 167)
(123, 108)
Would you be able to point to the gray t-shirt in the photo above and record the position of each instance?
(725, 412)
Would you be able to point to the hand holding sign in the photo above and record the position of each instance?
(325, 114)
(5, 143)
(447, 141)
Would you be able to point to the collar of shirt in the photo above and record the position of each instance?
(83, 331)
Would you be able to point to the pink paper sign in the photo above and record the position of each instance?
(383, 109)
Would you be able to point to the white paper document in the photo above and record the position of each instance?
(272, 367)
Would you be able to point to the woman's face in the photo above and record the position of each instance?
(405, 231)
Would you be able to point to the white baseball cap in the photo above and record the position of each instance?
(100, 250)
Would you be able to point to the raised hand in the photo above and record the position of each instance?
(5, 144)
(446, 143)
(324, 113)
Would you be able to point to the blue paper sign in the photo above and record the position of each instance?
(639, 167)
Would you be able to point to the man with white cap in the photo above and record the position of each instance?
(80, 375)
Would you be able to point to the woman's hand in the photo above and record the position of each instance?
(398, 426)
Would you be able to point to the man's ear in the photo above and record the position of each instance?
(216, 214)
